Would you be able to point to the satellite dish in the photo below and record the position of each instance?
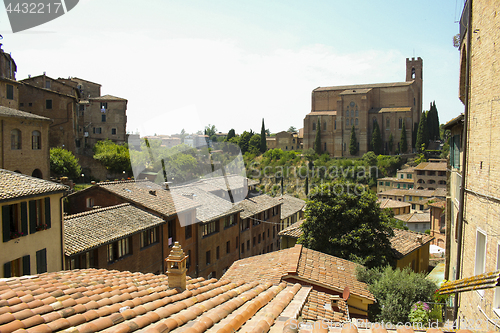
(346, 293)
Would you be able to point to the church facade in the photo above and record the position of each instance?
(391, 105)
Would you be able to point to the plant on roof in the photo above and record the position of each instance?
(395, 290)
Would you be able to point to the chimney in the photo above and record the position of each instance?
(188, 195)
(176, 268)
(152, 192)
(419, 239)
(167, 185)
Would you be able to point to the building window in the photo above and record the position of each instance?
(47, 84)
(35, 140)
(103, 118)
(229, 221)
(314, 126)
(357, 113)
(10, 91)
(347, 123)
(14, 221)
(21, 105)
(217, 253)
(324, 126)
(104, 106)
(39, 215)
(335, 124)
(78, 143)
(254, 240)
(248, 244)
(17, 267)
(356, 122)
(400, 123)
(48, 104)
(480, 253)
(409, 175)
(119, 249)
(41, 261)
(347, 112)
(113, 131)
(259, 239)
(228, 247)
(188, 231)
(30, 104)
(210, 228)
(98, 130)
(81, 108)
(207, 257)
(149, 236)
(15, 139)
(90, 202)
(242, 247)
(388, 124)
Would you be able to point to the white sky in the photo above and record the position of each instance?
(187, 64)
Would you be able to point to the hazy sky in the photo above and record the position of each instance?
(187, 64)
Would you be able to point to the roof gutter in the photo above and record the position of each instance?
(464, 159)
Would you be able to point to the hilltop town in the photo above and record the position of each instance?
(372, 216)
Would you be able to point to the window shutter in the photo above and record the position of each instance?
(24, 218)
(26, 265)
(6, 270)
(47, 212)
(41, 261)
(6, 224)
(32, 216)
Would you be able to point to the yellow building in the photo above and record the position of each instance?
(31, 222)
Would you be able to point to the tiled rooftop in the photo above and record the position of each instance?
(16, 185)
(211, 206)
(415, 217)
(149, 195)
(389, 203)
(365, 86)
(100, 300)
(255, 205)
(293, 230)
(94, 228)
(432, 166)
(406, 241)
(108, 98)
(290, 205)
(438, 204)
(9, 112)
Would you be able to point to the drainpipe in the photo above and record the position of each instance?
(3, 145)
(464, 158)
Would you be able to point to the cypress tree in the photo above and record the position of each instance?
(391, 143)
(403, 144)
(317, 139)
(263, 144)
(376, 139)
(422, 133)
(353, 144)
(433, 122)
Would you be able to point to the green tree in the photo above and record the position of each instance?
(254, 144)
(210, 130)
(292, 129)
(376, 139)
(262, 137)
(114, 157)
(422, 133)
(64, 163)
(317, 139)
(391, 143)
(344, 219)
(403, 144)
(396, 291)
(230, 134)
(433, 122)
(183, 135)
(244, 140)
(353, 144)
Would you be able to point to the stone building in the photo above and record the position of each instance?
(285, 141)
(478, 232)
(24, 142)
(430, 175)
(339, 108)
(31, 222)
(438, 223)
(9, 92)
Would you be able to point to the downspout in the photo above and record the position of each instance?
(464, 158)
(61, 216)
(3, 146)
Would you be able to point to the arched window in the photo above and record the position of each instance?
(347, 113)
(352, 113)
(352, 121)
(36, 142)
(413, 73)
(37, 173)
(347, 122)
(314, 126)
(357, 122)
(15, 139)
(374, 121)
(357, 113)
(388, 123)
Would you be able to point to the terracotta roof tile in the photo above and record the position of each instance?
(389, 203)
(293, 230)
(94, 228)
(290, 205)
(15, 185)
(415, 217)
(9, 112)
(406, 241)
(255, 205)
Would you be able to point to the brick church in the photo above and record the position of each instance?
(389, 104)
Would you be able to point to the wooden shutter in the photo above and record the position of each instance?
(24, 218)
(41, 261)
(32, 216)
(6, 224)
(26, 265)
(47, 213)
(6, 270)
